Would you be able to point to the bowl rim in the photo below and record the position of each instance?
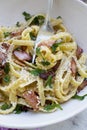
(51, 122)
(54, 121)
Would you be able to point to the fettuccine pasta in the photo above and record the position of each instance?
(59, 71)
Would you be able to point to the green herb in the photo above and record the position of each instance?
(59, 17)
(54, 46)
(32, 36)
(38, 50)
(49, 81)
(6, 34)
(5, 106)
(79, 97)
(45, 63)
(18, 24)
(7, 68)
(36, 72)
(6, 79)
(26, 15)
(35, 21)
(39, 20)
(20, 108)
(52, 106)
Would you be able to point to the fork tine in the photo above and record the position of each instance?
(45, 31)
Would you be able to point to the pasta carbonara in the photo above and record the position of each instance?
(59, 71)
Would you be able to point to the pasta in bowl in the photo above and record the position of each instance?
(58, 74)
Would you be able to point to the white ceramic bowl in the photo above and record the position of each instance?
(74, 14)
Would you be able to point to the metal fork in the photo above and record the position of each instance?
(46, 31)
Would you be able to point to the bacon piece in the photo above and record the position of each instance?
(79, 51)
(32, 99)
(3, 50)
(51, 72)
(22, 56)
(3, 56)
(56, 66)
(2, 59)
(73, 67)
(83, 85)
(1, 73)
(48, 43)
(5, 46)
(45, 75)
(14, 34)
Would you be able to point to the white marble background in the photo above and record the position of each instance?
(79, 122)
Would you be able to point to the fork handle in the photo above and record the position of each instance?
(50, 3)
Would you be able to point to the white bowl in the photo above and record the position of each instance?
(74, 14)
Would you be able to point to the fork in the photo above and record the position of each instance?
(46, 31)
